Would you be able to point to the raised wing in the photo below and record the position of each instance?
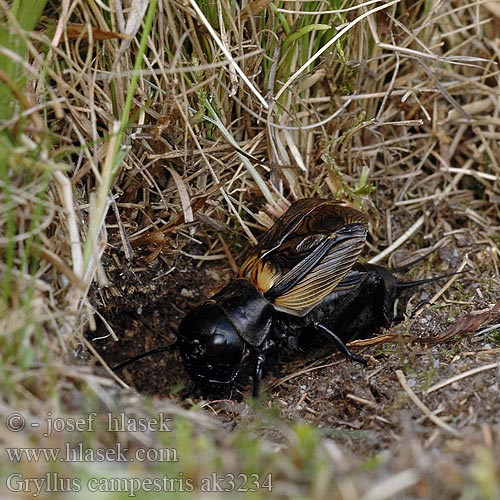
(306, 254)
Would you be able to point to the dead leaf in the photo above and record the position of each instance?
(254, 8)
(77, 31)
(470, 323)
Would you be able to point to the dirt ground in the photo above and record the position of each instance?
(364, 408)
(364, 414)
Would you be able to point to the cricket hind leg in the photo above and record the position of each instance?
(337, 342)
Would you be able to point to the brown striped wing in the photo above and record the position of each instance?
(306, 253)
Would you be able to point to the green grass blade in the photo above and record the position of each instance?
(27, 14)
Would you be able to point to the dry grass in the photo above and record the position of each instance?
(147, 144)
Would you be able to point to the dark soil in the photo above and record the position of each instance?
(364, 408)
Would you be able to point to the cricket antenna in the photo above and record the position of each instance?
(411, 263)
(145, 355)
(409, 284)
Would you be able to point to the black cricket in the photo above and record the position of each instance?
(304, 276)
